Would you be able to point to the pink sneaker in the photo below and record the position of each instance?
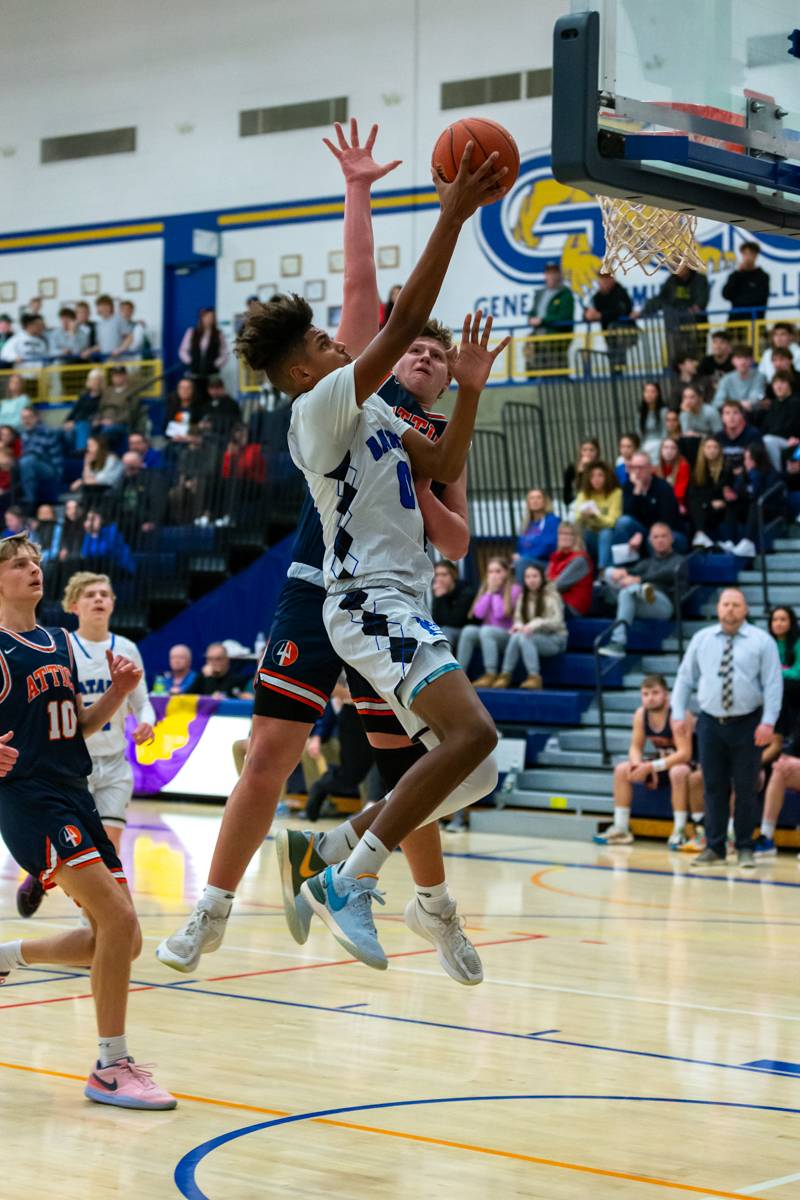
(127, 1086)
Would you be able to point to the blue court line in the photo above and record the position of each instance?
(42, 979)
(777, 1068)
(186, 1170)
(501, 1033)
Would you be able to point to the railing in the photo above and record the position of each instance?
(64, 383)
(601, 669)
(762, 530)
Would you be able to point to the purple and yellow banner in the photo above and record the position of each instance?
(181, 722)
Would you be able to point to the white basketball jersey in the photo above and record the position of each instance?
(359, 475)
(94, 679)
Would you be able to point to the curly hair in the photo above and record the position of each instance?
(437, 332)
(272, 333)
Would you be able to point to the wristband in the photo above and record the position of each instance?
(659, 764)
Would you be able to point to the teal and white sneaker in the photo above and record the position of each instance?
(345, 905)
(297, 862)
(677, 839)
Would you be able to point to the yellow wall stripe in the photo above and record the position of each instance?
(80, 235)
(330, 208)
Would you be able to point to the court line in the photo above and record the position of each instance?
(43, 979)
(186, 1169)
(768, 1184)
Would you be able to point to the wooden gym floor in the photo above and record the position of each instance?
(637, 1035)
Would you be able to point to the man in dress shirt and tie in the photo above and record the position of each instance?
(737, 673)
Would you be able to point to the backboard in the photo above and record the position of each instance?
(692, 105)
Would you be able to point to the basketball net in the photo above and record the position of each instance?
(639, 235)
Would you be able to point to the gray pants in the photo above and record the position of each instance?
(451, 633)
(774, 447)
(489, 638)
(632, 604)
(532, 647)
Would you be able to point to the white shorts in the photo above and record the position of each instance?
(390, 637)
(111, 786)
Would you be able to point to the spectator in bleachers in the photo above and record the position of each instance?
(784, 628)
(645, 592)
(736, 434)
(204, 350)
(139, 344)
(180, 677)
(670, 760)
(452, 599)
(140, 444)
(598, 507)
(221, 412)
(183, 409)
(782, 361)
(651, 419)
(139, 499)
(791, 478)
(646, 499)
(46, 532)
(706, 500)
(6, 329)
(675, 469)
(612, 306)
(778, 418)
(86, 327)
(15, 521)
(539, 630)
(493, 610)
(243, 460)
(111, 340)
(29, 346)
(41, 463)
(749, 484)
(672, 429)
(747, 288)
(67, 341)
(781, 337)
(588, 453)
(83, 413)
(628, 444)
(10, 440)
(386, 308)
(72, 530)
(537, 537)
(552, 315)
(120, 411)
(101, 468)
(190, 495)
(684, 373)
(698, 418)
(16, 398)
(744, 383)
(737, 673)
(217, 677)
(683, 299)
(718, 363)
(785, 774)
(571, 570)
(104, 541)
(8, 478)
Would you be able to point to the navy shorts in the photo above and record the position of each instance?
(300, 667)
(52, 823)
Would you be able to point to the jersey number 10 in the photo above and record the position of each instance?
(63, 720)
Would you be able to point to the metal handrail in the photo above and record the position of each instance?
(776, 487)
(599, 674)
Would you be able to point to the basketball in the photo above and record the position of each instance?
(488, 136)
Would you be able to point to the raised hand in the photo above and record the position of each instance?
(470, 189)
(8, 755)
(472, 362)
(356, 160)
(125, 675)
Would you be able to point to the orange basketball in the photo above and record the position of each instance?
(488, 136)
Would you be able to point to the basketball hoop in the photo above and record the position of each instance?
(641, 235)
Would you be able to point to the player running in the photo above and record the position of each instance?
(49, 822)
(300, 668)
(91, 598)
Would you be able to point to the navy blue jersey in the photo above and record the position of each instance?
(38, 683)
(309, 548)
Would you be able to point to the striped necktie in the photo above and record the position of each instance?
(726, 675)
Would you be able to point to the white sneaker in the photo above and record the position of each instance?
(614, 836)
(702, 539)
(455, 951)
(202, 934)
(726, 546)
(745, 549)
(8, 963)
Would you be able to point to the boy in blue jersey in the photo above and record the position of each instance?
(49, 821)
(300, 668)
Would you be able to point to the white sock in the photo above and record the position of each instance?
(768, 829)
(367, 859)
(217, 900)
(11, 952)
(336, 844)
(730, 833)
(622, 818)
(698, 818)
(112, 1049)
(679, 820)
(435, 899)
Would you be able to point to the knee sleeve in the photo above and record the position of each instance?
(480, 783)
(393, 764)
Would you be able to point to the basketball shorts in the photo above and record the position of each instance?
(300, 668)
(390, 638)
(111, 786)
(47, 824)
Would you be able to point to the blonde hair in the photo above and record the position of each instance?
(508, 606)
(576, 533)
(11, 546)
(77, 585)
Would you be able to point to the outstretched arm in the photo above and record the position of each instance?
(361, 302)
